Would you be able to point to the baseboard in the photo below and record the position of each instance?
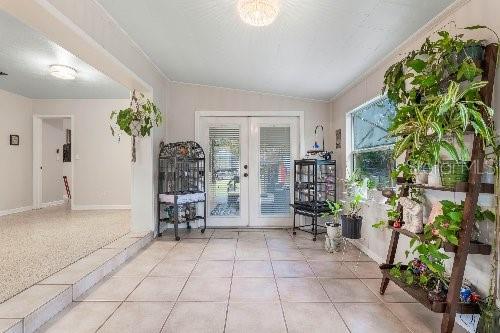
(367, 251)
(100, 207)
(52, 203)
(15, 210)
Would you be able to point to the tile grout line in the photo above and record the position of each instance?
(323, 287)
(147, 274)
(231, 282)
(185, 283)
(276, 283)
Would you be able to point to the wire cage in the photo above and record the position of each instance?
(181, 184)
(315, 183)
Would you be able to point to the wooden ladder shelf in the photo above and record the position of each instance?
(452, 306)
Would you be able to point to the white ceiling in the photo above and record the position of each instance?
(26, 55)
(313, 49)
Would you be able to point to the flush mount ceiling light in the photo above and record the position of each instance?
(258, 13)
(63, 72)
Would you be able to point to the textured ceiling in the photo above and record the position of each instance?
(26, 55)
(313, 49)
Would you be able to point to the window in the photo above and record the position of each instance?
(371, 146)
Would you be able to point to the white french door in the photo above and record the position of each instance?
(249, 165)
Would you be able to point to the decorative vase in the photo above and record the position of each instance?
(434, 177)
(454, 172)
(421, 177)
(351, 226)
(333, 241)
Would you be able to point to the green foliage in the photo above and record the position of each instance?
(436, 93)
(356, 194)
(137, 120)
(335, 209)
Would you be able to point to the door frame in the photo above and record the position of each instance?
(274, 114)
(271, 114)
(37, 157)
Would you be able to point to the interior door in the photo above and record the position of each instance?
(225, 141)
(274, 144)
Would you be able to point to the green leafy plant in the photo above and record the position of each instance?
(335, 209)
(437, 97)
(137, 120)
(356, 193)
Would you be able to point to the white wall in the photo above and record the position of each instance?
(464, 13)
(52, 162)
(185, 99)
(16, 176)
(102, 168)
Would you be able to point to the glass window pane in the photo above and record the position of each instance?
(376, 165)
(275, 161)
(370, 124)
(224, 171)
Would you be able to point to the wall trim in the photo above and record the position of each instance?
(52, 203)
(424, 30)
(367, 251)
(15, 210)
(101, 207)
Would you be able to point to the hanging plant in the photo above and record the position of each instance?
(137, 120)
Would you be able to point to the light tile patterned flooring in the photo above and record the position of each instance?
(244, 281)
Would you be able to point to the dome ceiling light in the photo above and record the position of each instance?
(258, 13)
(63, 72)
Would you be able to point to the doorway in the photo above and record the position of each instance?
(52, 160)
(249, 165)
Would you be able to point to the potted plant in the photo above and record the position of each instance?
(136, 120)
(333, 240)
(356, 194)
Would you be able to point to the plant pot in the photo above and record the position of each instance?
(421, 177)
(434, 177)
(454, 172)
(333, 241)
(351, 226)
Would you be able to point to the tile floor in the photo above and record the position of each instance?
(244, 281)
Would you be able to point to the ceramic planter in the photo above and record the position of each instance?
(421, 177)
(434, 177)
(351, 226)
(333, 241)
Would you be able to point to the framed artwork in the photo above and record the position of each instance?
(14, 140)
(338, 139)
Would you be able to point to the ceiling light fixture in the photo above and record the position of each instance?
(258, 13)
(63, 72)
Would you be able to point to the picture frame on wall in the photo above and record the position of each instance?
(14, 140)
(338, 139)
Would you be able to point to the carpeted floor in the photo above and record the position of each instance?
(38, 243)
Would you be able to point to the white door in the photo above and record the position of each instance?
(249, 162)
(225, 142)
(273, 147)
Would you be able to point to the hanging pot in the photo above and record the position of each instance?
(454, 172)
(351, 226)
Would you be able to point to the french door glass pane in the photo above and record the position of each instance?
(275, 161)
(224, 171)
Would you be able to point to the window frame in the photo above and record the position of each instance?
(350, 150)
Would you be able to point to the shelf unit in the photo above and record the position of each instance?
(472, 188)
(315, 182)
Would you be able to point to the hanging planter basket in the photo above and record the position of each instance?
(351, 226)
(136, 121)
(454, 172)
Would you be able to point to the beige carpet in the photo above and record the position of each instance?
(36, 244)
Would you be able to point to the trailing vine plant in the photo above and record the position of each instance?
(137, 120)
